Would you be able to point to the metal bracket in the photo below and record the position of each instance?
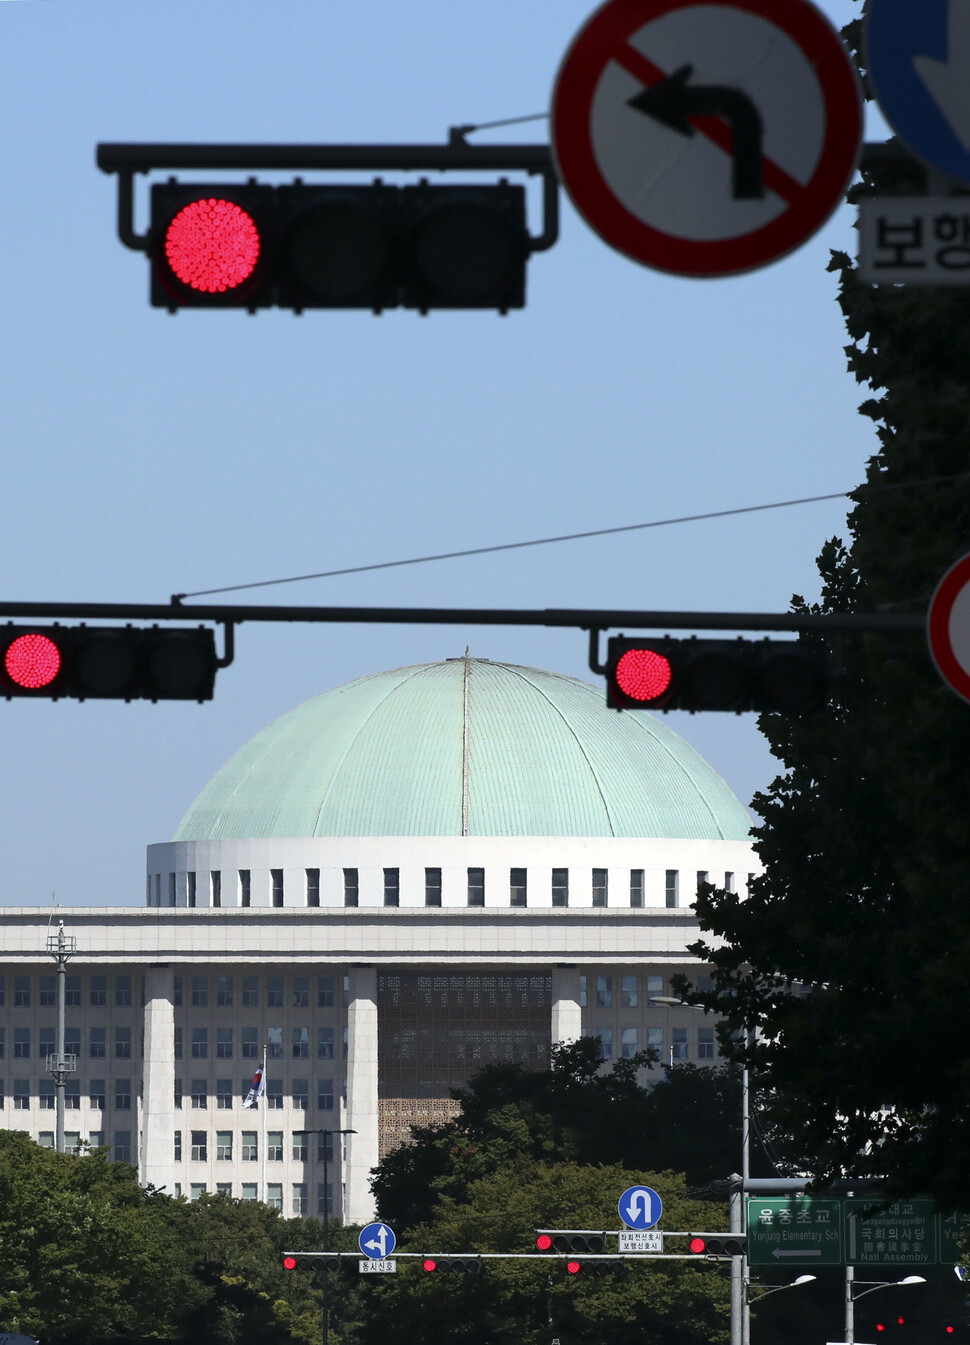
(228, 644)
(594, 650)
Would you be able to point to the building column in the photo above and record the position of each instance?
(361, 1115)
(567, 1015)
(156, 1159)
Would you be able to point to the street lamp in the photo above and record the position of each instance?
(850, 1295)
(802, 1279)
(326, 1217)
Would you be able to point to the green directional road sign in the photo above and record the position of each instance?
(794, 1231)
(953, 1230)
(906, 1233)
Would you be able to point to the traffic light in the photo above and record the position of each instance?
(311, 1260)
(452, 1265)
(717, 1244)
(304, 246)
(107, 662)
(570, 1240)
(599, 1269)
(692, 674)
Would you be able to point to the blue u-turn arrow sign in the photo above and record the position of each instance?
(918, 55)
(640, 1207)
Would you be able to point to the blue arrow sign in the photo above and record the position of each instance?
(640, 1207)
(919, 62)
(377, 1241)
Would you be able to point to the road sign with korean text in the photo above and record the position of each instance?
(905, 1233)
(794, 1231)
(914, 240)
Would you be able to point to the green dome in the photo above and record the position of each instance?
(465, 747)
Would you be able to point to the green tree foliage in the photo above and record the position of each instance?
(572, 1112)
(529, 1301)
(863, 909)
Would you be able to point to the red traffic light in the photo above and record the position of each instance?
(32, 661)
(698, 1246)
(544, 1242)
(212, 245)
(289, 1263)
(643, 675)
(574, 1267)
(429, 1265)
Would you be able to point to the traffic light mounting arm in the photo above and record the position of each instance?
(128, 159)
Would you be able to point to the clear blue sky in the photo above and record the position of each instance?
(147, 454)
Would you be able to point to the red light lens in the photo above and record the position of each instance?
(697, 1245)
(880, 1326)
(212, 245)
(950, 1330)
(289, 1263)
(32, 661)
(573, 1267)
(429, 1265)
(643, 674)
(543, 1242)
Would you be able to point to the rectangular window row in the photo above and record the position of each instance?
(29, 991)
(274, 1195)
(629, 1040)
(296, 1043)
(99, 1045)
(225, 1095)
(475, 888)
(229, 1145)
(632, 990)
(248, 992)
(97, 1094)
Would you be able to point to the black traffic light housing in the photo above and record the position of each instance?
(570, 1240)
(717, 1244)
(693, 674)
(107, 662)
(311, 1260)
(303, 245)
(611, 1267)
(452, 1265)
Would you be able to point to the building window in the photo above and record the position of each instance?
(250, 1146)
(48, 991)
(655, 1041)
(628, 992)
(325, 1094)
(178, 1043)
(324, 1043)
(72, 992)
(301, 992)
(313, 887)
(245, 887)
(224, 1094)
(392, 887)
(583, 993)
(122, 1043)
(628, 1042)
(636, 887)
(200, 1094)
(200, 1043)
(178, 1095)
(517, 887)
(72, 1141)
(274, 1043)
(21, 1094)
(432, 887)
(729, 882)
(45, 1044)
(250, 1043)
(655, 985)
(122, 1146)
(300, 1198)
(324, 1198)
(604, 992)
(45, 1094)
(346, 1047)
(196, 1190)
(600, 886)
(200, 1146)
(224, 992)
(97, 1043)
(177, 991)
(276, 886)
(21, 1043)
(274, 992)
(301, 1043)
(190, 888)
(21, 992)
(274, 1146)
(250, 992)
(46, 1139)
(200, 992)
(705, 1043)
(325, 1148)
(96, 1094)
(560, 887)
(680, 1049)
(223, 1146)
(99, 991)
(300, 1150)
(670, 888)
(223, 1043)
(274, 1196)
(123, 992)
(122, 1095)
(274, 1094)
(325, 992)
(605, 1035)
(224, 1189)
(215, 887)
(702, 877)
(705, 984)
(476, 887)
(72, 1041)
(171, 889)
(249, 1191)
(300, 1093)
(351, 887)
(72, 1095)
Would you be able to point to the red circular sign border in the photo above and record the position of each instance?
(938, 627)
(576, 85)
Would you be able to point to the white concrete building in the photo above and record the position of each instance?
(404, 878)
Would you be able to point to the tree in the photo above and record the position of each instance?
(851, 955)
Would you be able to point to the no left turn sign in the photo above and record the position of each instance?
(948, 627)
(706, 137)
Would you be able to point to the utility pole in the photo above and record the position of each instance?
(61, 947)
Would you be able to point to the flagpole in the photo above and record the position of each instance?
(263, 1103)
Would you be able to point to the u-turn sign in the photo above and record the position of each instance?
(640, 1207)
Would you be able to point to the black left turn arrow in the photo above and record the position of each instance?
(673, 101)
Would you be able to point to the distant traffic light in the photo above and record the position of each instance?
(452, 1265)
(692, 674)
(311, 1260)
(328, 246)
(597, 1269)
(570, 1240)
(107, 662)
(717, 1244)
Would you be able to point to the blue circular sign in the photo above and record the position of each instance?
(640, 1207)
(377, 1241)
(918, 57)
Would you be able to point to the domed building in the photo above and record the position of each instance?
(399, 881)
